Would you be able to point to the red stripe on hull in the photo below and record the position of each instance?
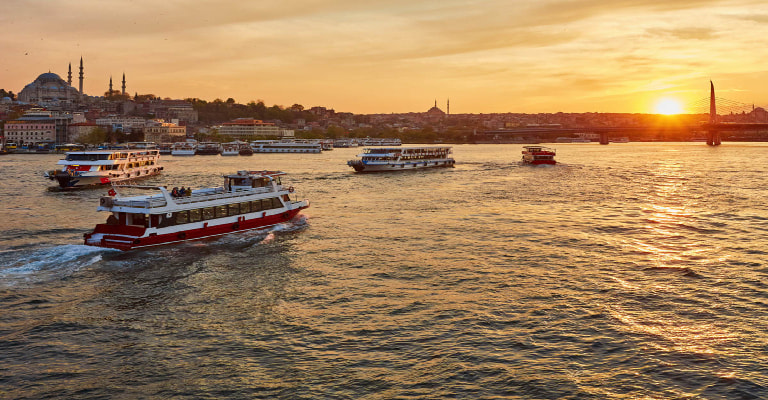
(124, 242)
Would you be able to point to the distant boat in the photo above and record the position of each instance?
(402, 158)
(102, 167)
(538, 155)
(183, 148)
(208, 149)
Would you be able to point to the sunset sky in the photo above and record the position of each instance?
(381, 56)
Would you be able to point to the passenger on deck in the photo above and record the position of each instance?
(175, 192)
(182, 192)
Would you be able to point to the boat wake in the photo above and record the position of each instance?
(27, 266)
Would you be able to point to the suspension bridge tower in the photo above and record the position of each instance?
(713, 135)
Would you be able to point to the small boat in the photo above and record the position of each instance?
(249, 200)
(103, 167)
(230, 149)
(402, 158)
(537, 155)
(245, 150)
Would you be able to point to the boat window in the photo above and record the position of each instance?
(234, 209)
(256, 206)
(165, 221)
(138, 219)
(266, 204)
(221, 211)
(112, 220)
(245, 208)
(276, 203)
(208, 213)
(195, 215)
(182, 217)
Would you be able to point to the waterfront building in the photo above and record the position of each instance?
(164, 132)
(38, 126)
(248, 128)
(122, 122)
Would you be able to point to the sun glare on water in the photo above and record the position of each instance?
(668, 106)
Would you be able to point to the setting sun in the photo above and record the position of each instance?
(668, 106)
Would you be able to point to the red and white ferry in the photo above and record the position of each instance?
(537, 155)
(248, 200)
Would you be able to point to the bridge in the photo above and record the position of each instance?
(702, 122)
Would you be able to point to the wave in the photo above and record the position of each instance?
(25, 264)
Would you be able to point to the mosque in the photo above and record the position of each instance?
(50, 89)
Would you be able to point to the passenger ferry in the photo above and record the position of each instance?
(273, 146)
(537, 155)
(101, 167)
(165, 149)
(184, 148)
(248, 200)
(208, 149)
(402, 158)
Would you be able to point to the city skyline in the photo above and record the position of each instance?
(397, 56)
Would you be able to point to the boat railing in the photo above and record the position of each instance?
(206, 195)
(220, 193)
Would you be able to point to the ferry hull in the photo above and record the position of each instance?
(136, 238)
(67, 181)
(402, 166)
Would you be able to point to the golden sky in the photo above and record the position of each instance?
(381, 56)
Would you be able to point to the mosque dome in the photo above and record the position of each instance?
(49, 77)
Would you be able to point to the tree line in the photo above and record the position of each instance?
(220, 111)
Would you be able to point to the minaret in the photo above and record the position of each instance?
(69, 75)
(81, 75)
(448, 107)
(123, 83)
(110, 85)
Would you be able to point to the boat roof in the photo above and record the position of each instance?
(244, 174)
(401, 148)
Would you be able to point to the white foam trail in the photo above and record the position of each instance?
(53, 258)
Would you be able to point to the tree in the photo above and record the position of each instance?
(96, 136)
(10, 94)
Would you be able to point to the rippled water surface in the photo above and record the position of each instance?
(626, 271)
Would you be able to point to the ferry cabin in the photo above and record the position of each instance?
(246, 202)
(395, 158)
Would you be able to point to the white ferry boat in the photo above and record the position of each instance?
(402, 158)
(537, 155)
(381, 142)
(184, 148)
(101, 167)
(273, 146)
(208, 149)
(248, 200)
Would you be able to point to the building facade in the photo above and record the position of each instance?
(247, 128)
(79, 130)
(39, 126)
(164, 132)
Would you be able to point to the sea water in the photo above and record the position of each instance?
(633, 270)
